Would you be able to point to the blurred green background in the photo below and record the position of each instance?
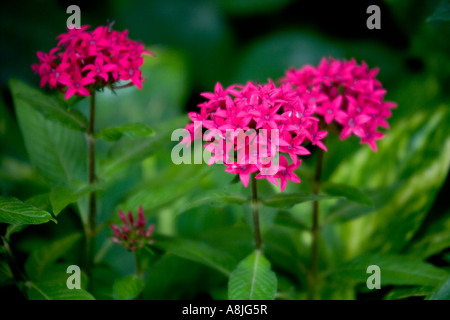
(200, 42)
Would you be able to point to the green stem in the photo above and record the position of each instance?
(315, 230)
(255, 209)
(139, 270)
(92, 202)
(137, 261)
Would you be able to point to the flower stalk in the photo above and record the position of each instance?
(92, 202)
(315, 230)
(255, 210)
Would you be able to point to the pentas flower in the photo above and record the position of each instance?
(85, 60)
(343, 93)
(132, 234)
(285, 172)
(248, 126)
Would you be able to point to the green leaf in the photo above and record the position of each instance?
(46, 255)
(62, 196)
(345, 210)
(132, 130)
(198, 252)
(55, 291)
(172, 277)
(288, 200)
(165, 191)
(215, 199)
(40, 201)
(125, 153)
(394, 269)
(50, 107)
(288, 251)
(430, 245)
(403, 293)
(14, 211)
(442, 292)
(286, 219)
(435, 239)
(442, 12)
(414, 156)
(13, 228)
(349, 192)
(239, 246)
(52, 285)
(253, 279)
(58, 153)
(128, 287)
(5, 272)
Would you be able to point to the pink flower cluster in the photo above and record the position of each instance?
(239, 108)
(340, 92)
(344, 93)
(85, 60)
(133, 234)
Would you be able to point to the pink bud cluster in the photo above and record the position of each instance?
(254, 106)
(90, 59)
(345, 93)
(132, 234)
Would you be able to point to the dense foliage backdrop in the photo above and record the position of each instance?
(397, 216)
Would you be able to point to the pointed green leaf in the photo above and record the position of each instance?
(40, 201)
(288, 200)
(128, 287)
(345, 210)
(430, 245)
(58, 152)
(55, 291)
(13, 228)
(286, 219)
(5, 272)
(124, 153)
(62, 196)
(253, 279)
(415, 157)
(215, 199)
(442, 292)
(165, 191)
(49, 106)
(436, 238)
(442, 12)
(198, 252)
(349, 192)
(132, 130)
(403, 293)
(14, 211)
(394, 269)
(47, 255)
